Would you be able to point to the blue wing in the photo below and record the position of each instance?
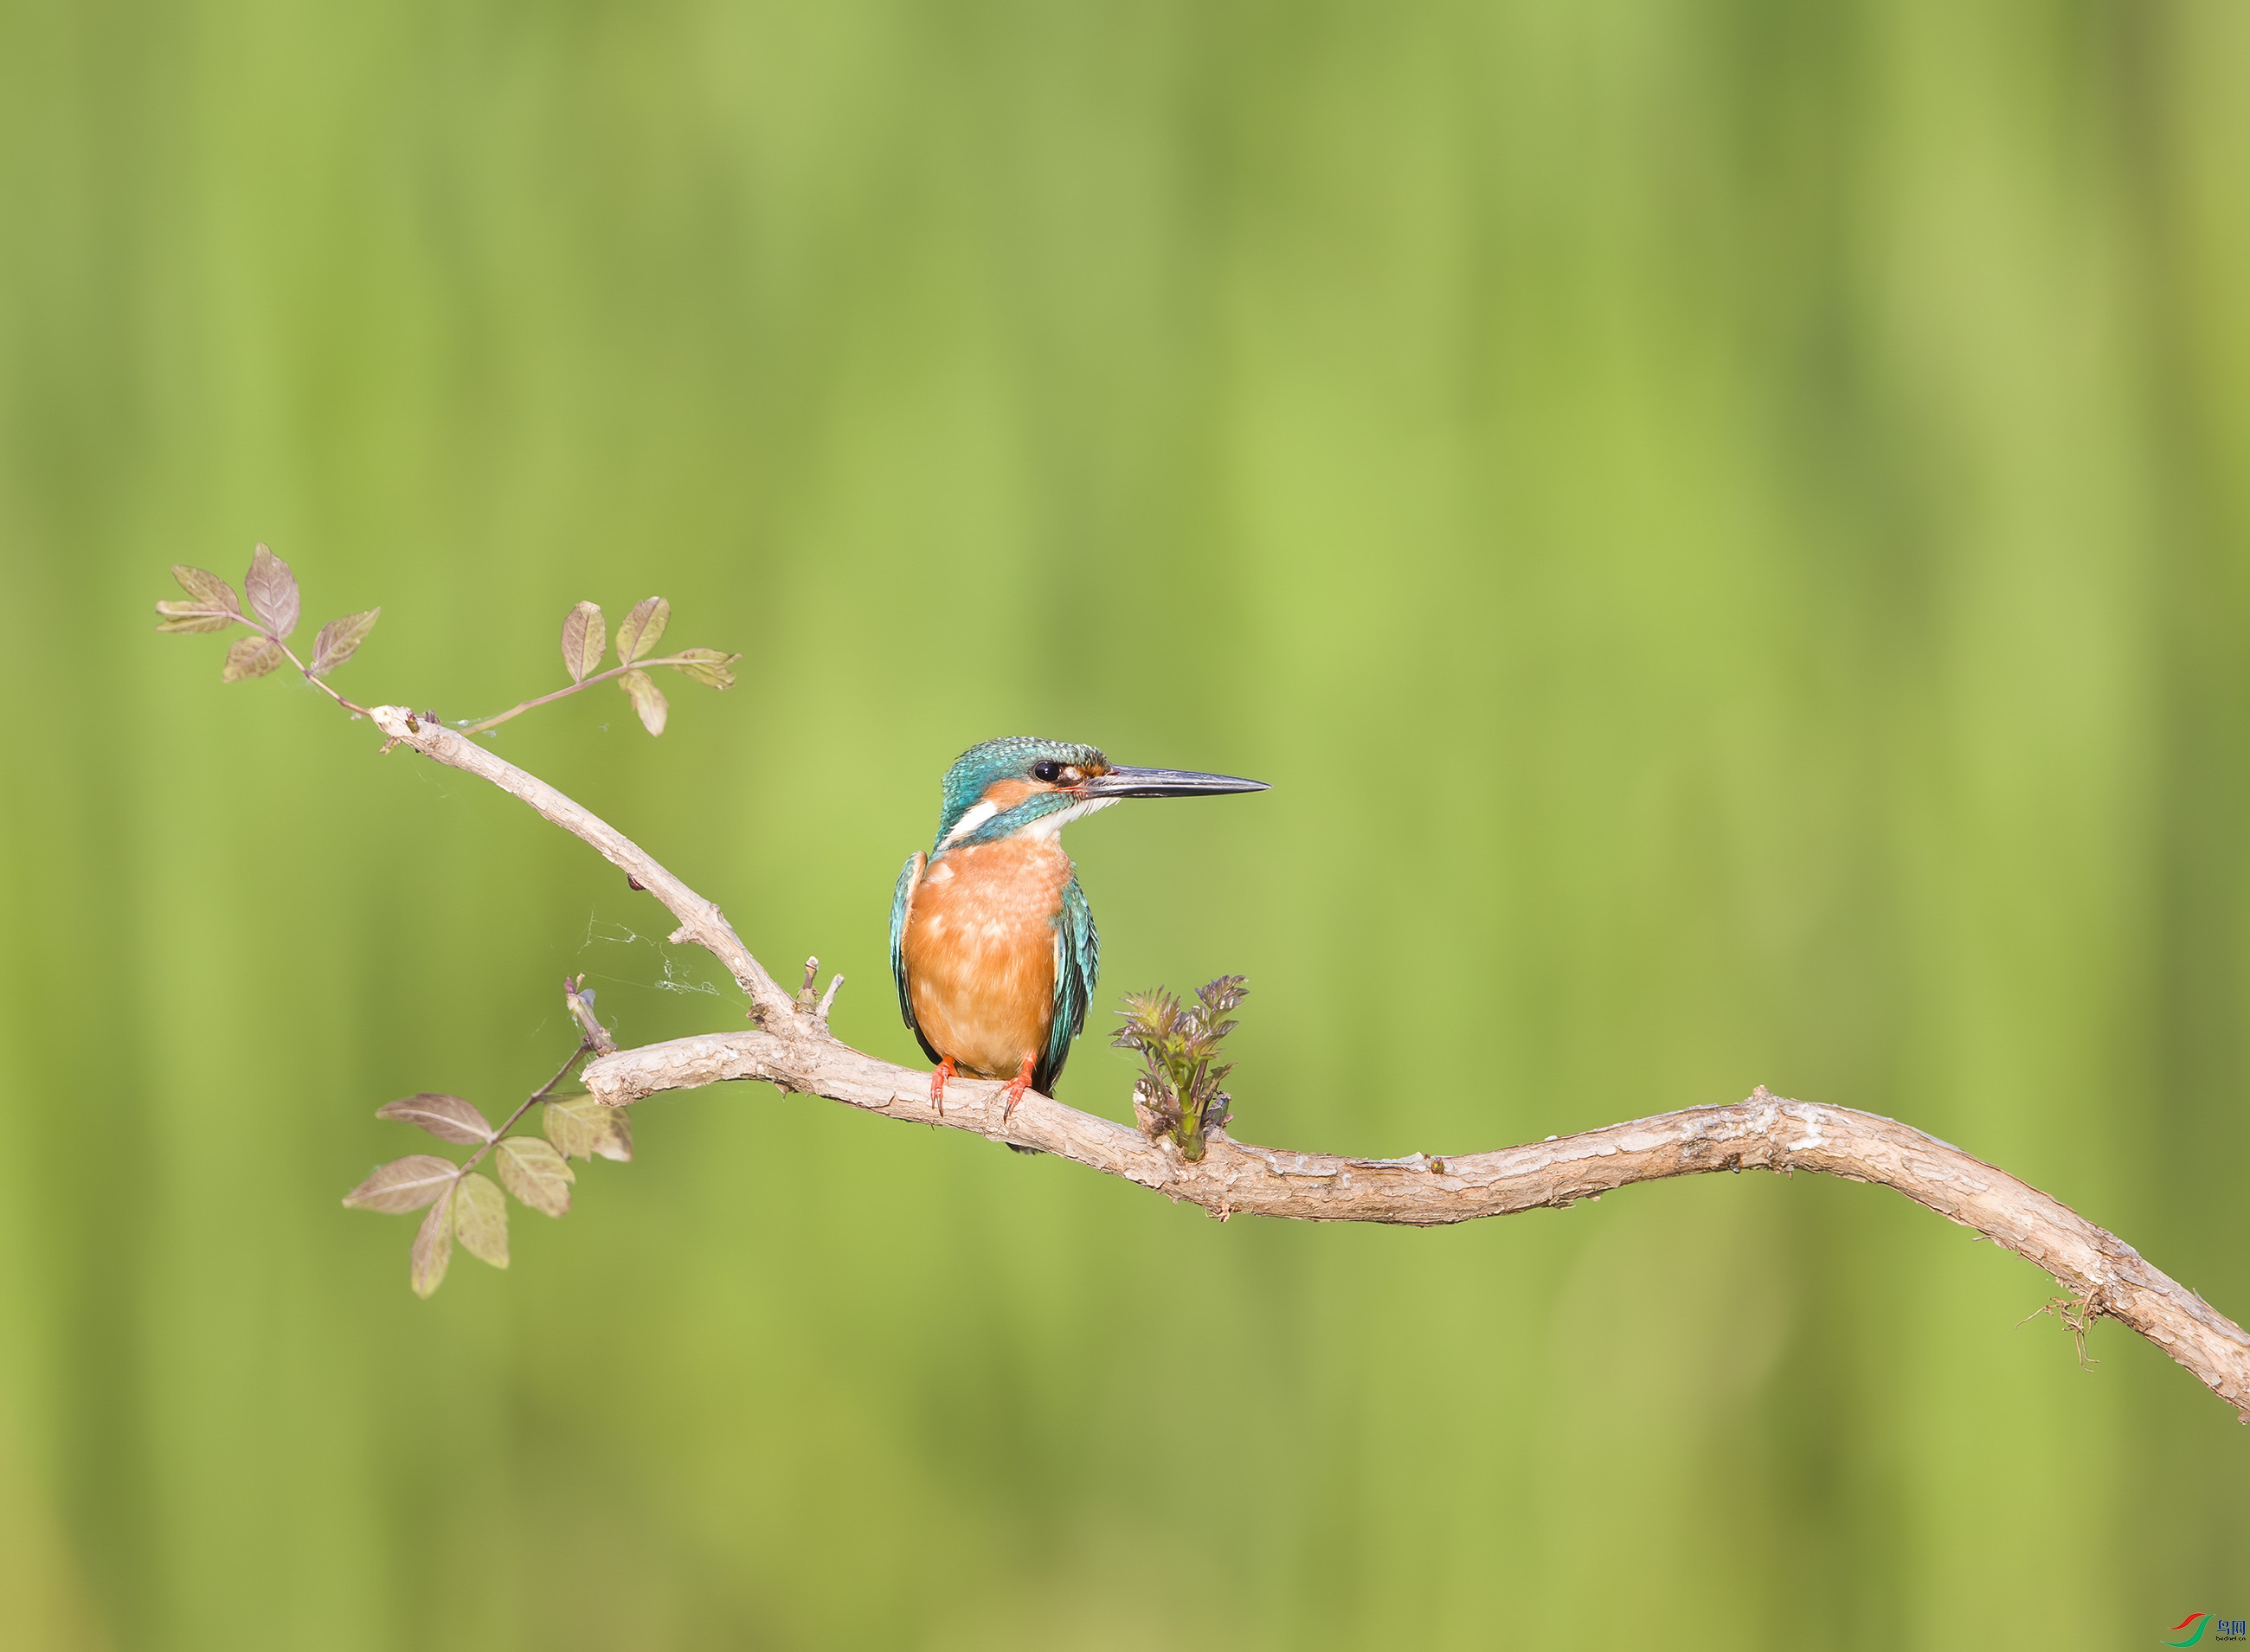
(908, 877)
(1077, 966)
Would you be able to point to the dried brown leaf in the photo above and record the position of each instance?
(447, 1117)
(707, 665)
(339, 640)
(207, 588)
(187, 616)
(638, 631)
(648, 699)
(583, 1128)
(480, 1220)
(272, 591)
(404, 1184)
(585, 636)
(535, 1173)
(251, 657)
(433, 1247)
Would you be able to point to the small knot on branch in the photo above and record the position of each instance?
(814, 1004)
(806, 1003)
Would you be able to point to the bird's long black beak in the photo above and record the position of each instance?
(1164, 783)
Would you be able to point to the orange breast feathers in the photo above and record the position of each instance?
(980, 952)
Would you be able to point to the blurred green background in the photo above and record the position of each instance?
(1724, 523)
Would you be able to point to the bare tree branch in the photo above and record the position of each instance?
(2102, 1274)
(700, 920)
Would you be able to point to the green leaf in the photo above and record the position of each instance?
(582, 1128)
(404, 1184)
(447, 1117)
(535, 1173)
(272, 591)
(583, 638)
(638, 631)
(185, 616)
(480, 1220)
(707, 666)
(207, 588)
(648, 700)
(251, 657)
(339, 640)
(433, 1247)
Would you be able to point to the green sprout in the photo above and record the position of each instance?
(1179, 1094)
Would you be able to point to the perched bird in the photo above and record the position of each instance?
(991, 940)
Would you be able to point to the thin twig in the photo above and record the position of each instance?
(529, 1102)
(565, 694)
(596, 1035)
(321, 683)
(700, 920)
(2106, 1276)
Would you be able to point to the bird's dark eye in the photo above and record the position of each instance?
(1046, 771)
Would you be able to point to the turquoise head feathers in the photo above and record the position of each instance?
(998, 789)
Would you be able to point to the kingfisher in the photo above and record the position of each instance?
(992, 942)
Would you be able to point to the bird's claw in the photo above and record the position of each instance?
(1014, 1093)
(937, 1085)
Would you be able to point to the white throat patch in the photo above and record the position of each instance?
(1045, 829)
(1049, 827)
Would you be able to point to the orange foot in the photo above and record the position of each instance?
(937, 1085)
(1014, 1093)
